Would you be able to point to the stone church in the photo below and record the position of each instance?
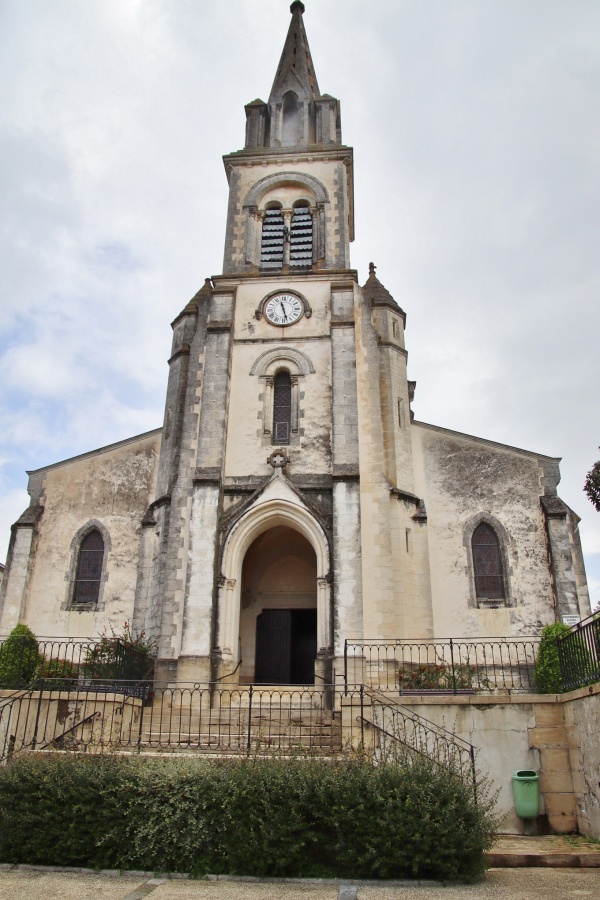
(291, 500)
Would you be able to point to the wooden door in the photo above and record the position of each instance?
(286, 646)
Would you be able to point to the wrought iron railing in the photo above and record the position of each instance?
(201, 718)
(579, 654)
(24, 660)
(453, 666)
(224, 721)
(400, 728)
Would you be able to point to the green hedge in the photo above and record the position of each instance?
(271, 817)
(548, 679)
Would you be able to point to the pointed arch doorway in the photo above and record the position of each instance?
(278, 616)
(296, 548)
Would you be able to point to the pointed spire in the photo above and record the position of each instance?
(296, 71)
(376, 293)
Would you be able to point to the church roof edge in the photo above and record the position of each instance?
(480, 440)
(106, 449)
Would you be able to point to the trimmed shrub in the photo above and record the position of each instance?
(19, 658)
(262, 817)
(547, 666)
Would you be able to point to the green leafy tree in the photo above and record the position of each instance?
(592, 485)
(19, 658)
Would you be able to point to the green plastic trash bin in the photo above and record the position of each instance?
(526, 791)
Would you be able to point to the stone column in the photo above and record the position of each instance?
(561, 556)
(347, 618)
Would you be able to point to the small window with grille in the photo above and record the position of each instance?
(89, 569)
(271, 251)
(301, 237)
(487, 563)
(282, 407)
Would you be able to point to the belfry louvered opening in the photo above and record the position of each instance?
(271, 251)
(282, 407)
(301, 237)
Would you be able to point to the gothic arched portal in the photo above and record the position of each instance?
(278, 617)
(275, 580)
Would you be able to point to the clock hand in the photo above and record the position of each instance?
(283, 311)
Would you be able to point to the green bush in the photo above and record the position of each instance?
(547, 666)
(19, 658)
(262, 817)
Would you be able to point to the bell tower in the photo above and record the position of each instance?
(258, 509)
(291, 205)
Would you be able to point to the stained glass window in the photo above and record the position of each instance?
(487, 563)
(89, 569)
(282, 407)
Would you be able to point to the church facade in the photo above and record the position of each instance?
(291, 500)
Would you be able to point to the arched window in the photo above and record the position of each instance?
(301, 237)
(271, 251)
(282, 407)
(289, 131)
(487, 563)
(89, 569)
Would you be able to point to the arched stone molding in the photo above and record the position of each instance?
(298, 362)
(70, 575)
(316, 197)
(257, 192)
(505, 543)
(258, 519)
(266, 367)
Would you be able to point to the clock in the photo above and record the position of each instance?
(283, 309)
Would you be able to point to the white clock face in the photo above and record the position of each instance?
(283, 309)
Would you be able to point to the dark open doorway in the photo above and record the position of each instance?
(286, 646)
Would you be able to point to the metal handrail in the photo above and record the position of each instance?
(422, 731)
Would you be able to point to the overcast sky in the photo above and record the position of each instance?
(476, 131)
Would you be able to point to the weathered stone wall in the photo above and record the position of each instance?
(460, 479)
(111, 489)
(582, 719)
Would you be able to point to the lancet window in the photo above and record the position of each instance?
(282, 407)
(487, 563)
(89, 569)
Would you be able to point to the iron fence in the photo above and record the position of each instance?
(453, 666)
(579, 654)
(199, 718)
(24, 660)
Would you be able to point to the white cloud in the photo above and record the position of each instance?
(477, 190)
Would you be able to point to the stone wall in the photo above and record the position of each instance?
(556, 736)
(582, 720)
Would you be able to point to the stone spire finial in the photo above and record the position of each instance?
(376, 294)
(296, 71)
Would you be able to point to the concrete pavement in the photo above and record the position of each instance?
(499, 884)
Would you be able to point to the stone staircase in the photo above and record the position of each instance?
(268, 721)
